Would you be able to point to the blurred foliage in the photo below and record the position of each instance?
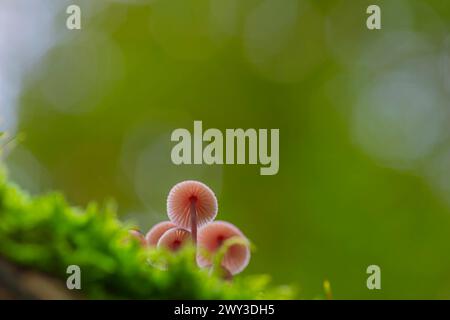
(44, 233)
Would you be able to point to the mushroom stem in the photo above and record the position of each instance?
(193, 214)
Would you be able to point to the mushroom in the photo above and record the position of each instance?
(191, 204)
(221, 235)
(136, 234)
(155, 233)
(222, 272)
(174, 239)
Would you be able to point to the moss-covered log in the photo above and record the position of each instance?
(41, 236)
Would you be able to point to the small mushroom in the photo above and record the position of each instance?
(136, 234)
(191, 204)
(221, 235)
(173, 239)
(222, 272)
(155, 233)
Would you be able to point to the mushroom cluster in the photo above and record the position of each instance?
(192, 208)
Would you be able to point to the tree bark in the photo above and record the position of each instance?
(22, 283)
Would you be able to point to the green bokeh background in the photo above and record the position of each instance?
(354, 188)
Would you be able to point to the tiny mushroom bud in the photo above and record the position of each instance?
(191, 204)
(137, 235)
(211, 239)
(174, 239)
(222, 272)
(154, 234)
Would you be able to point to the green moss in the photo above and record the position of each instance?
(46, 234)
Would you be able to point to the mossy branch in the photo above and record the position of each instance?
(47, 235)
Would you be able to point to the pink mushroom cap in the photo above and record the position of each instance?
(173, 239)
(136, 234)
(154, 234)
(212, 236)
(179, 202)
